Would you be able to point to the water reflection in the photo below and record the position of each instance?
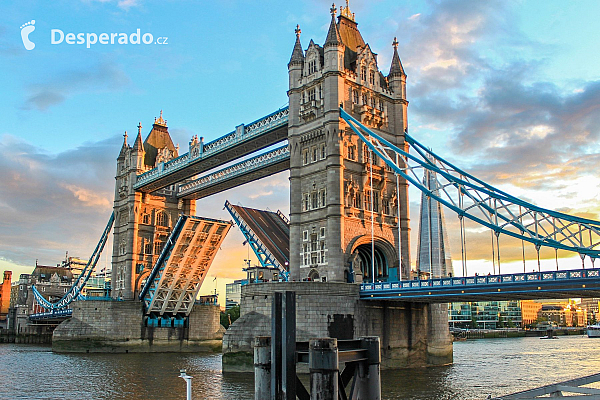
(481, 368)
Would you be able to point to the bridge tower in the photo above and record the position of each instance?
(333, 197)
(142, 221)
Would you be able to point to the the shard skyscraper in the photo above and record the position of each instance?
(433, 253)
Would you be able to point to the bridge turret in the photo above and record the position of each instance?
(397, 77)
(295, 67)
(137, 152)
(334, 47)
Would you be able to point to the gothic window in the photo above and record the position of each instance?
(363, 73)
(305, 235)
(146, 219)
(305, 157)
(314, 200)
(358, 200)
(322, 231)
(372, 77)
(376, 201)
(352, 152)
(365, 153)
(355, 96)
(158, 246)
(368, 200)
(323, 151)
(323, 198)
(386, 206)
(364, 98)
(314, 154)
(160, 218)
(320, 92)
(311, 94)
(312, 66)
(380, 105)
(372, 101)
(148, 247)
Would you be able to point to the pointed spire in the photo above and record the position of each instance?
(333, 36)
(396, 68)
(138, 145)
(124, 147)
(297, 54)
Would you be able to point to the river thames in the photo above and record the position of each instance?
(481, 368)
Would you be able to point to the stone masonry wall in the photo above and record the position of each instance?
(118, 326)
(412, 334)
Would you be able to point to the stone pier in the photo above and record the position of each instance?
(118, 327)
(411, 334)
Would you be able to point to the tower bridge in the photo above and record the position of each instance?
(344, 139)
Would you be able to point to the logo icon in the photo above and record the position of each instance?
(26, 29)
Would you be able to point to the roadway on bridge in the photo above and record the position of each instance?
(271, 230)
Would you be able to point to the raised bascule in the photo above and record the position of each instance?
(345, 249)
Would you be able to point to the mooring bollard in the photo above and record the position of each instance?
(369, 383)
(324, 369)
(262, 367)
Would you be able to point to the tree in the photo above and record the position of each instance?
(229, 316)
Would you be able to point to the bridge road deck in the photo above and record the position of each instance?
(271, 230)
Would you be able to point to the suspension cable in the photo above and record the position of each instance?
(522, 241)
(493, 253)
(399, 227)
(372, 218)
(498, 249)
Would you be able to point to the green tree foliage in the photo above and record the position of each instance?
(230, 315)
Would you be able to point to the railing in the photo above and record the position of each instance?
(470, 281)
(64, 313)
(241, 168)
(272, 121)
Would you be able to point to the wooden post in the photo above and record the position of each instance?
(262, 367)
(288, 355)
(369, 383)
(276, 341)
(324, 369)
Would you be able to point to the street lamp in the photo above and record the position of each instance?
(188, 382)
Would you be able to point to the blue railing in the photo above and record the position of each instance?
(64, 313)
(478, 281)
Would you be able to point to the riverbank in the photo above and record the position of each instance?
(513, 333)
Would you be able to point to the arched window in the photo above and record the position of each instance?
(161, 218)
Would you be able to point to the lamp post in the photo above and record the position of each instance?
(188, 382)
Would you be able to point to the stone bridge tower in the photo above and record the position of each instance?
(333, 198)
(142, 221)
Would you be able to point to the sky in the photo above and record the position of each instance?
(507, 90)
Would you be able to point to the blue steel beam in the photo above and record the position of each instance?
(246, 139)
(74, 292)
(521, 286)
(254, 168)
(478, 201)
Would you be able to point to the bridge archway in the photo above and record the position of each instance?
(361, 255)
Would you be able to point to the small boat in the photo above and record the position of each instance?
(549, 335)
(593, 330)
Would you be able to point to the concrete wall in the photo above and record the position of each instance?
(412, 334)
(118, 326)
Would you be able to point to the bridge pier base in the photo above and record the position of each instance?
(118, 327)
(411, 334)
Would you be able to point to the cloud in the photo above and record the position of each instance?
(104, 76)
(480, 98)
(53, 203)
